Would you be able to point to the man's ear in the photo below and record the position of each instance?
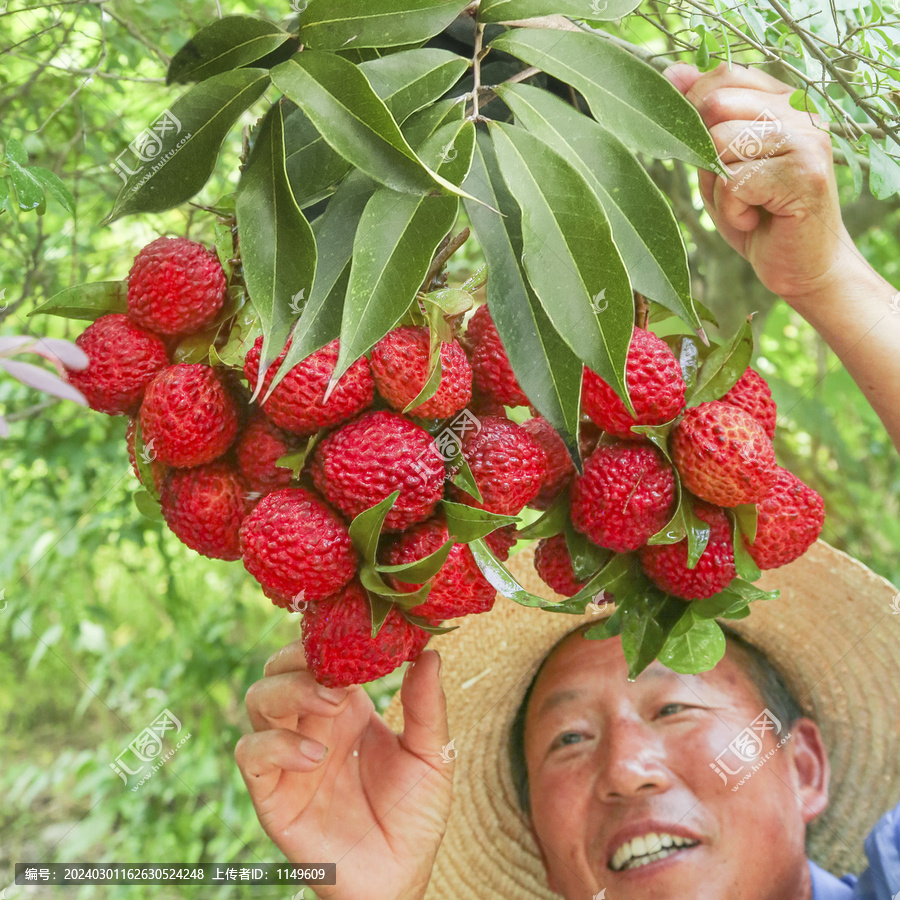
(550, 882)
(811, 767)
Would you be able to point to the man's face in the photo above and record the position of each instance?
(611, 761)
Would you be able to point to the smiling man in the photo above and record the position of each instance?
(616, 777)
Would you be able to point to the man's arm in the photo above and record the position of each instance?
(780, 211)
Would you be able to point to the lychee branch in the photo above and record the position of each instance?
(443, 254)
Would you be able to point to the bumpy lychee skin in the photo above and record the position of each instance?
(123, 361)
(723, 454)
(260, 445)
(492, 373)
(655, 385)
(188, 416)
(156, 467)
(553, 564)
(508, 465)
(298, 403)
(296, 547)
(369, 458)
(338, 643)
(752, 394)
(790, 518)
(175, 287)
(559, 463)
(400, 368)
(626, 494)
(204, 507)
(666, 564)
(458, 588)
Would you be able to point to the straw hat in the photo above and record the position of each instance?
(832, 634)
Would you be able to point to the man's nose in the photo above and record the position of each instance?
(631, 761)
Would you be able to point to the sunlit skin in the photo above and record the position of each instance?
(624, 753)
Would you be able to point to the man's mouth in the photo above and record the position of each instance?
(648, 848)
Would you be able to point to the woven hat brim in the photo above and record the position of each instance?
(833, 635)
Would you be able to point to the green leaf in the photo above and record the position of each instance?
(422, 569)
(743, 562)
(192, 131)
(658, 435)
(627, 96)
(515, 10)
(354, 120)
(646, 624)
(406, 82)
(694, 645)
(884, 172)
(296, 459)
(747, 515)
(148, 507)
(365, 529)
(643, 225)
(278, 249)
(547, 370)
(467, 523)
(587, 558)
(245, 329)
(52, 183)
(29, 191)
(853, 164)
(16, 152)
(723, 367)
(224, 45)
(87, 301)
(750, 592)
(568, 251)
(690, 355)
(144, 455)
(335, 229)
(464, 479)
(375, 584)
(394, 245)
(718, 605)
(551, 522)
(339, 24)
(380, 609)
(425, 625)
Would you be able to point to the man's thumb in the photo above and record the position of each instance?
(425, 731)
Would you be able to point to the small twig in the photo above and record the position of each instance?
(475, 115)
(641, 310)
(448, 248)
(489, 92)
(31, 411)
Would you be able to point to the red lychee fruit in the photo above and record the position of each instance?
(188, 416)
(655, 385)
(458, 588)
(366, 460)
(175, 287)
(666, 564)
(296, 547)
(553, 564)
(123, 361)
(626, 495)
(559, 463)
(507, 463)
(400, 368)
(790, 518)
(298, 403)
(260, 445)
(723, 454)
(492, 373)
(752, 394)
(204, 507)
(338, 643)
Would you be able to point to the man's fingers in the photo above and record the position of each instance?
(742, 141)
(425, 731)
(735, 77)
(286, 701)
(683, 76)
(289, 658)
(262, 757)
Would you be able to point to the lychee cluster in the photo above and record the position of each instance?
(719, 456)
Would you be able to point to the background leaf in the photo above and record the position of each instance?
(87, 301)
(595, 10)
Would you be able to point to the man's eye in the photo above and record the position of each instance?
(567, 737)
(670, 709)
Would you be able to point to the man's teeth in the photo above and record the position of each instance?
(647, 849)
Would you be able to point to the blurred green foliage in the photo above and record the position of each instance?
(105, 618)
